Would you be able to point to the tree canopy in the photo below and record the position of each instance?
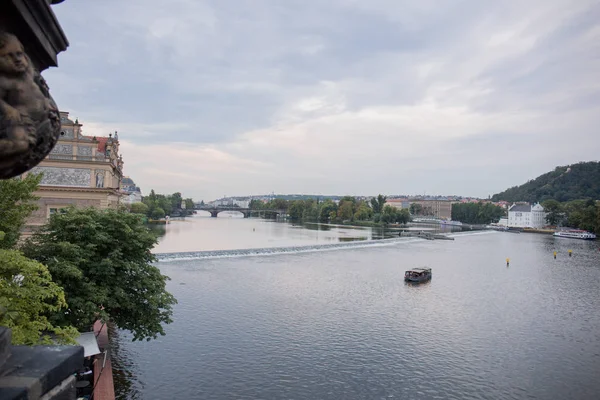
(572, 182)
(27, 295)
(581, 214)
(159, 205)
(102, 259)
(16, 204)
(477, 213)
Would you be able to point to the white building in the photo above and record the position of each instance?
(526, 216)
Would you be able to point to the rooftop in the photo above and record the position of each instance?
(521, 208)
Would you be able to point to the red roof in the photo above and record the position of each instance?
(101, 142)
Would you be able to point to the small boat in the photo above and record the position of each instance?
(417, 275)
(575, 234)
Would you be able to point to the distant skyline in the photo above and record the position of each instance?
(341, 96)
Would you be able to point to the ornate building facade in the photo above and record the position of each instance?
(80, 171)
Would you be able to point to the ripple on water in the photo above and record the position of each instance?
(343, 325)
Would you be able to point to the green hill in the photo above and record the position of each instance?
(572, 182)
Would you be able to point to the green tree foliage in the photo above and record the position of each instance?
(345, 210)
(189, 204)
(256, 204)
(555, 214)
(416, 209)
(363, 212)
(582, 214)
(392, 215)
(102, 259)
(327, 209)
(157, 213)
(27, 295)
(577, 181)
(176, 201)
(377, 203)
(139, 208)
(477, 213)
(16, 204)
(160, 204)
(296, 210)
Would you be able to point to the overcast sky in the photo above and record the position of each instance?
(235, 97)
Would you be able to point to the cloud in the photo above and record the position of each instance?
(356, 97)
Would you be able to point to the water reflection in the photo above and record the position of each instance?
(344, 325)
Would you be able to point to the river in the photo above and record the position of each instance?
(315, 312)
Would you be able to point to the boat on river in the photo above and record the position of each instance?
(575, 234)
(417, 275)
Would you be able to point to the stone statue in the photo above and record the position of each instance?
(99, 179)
(29, 118)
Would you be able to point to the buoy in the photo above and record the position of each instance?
(570, 253)
(507, 262)
(555, 255)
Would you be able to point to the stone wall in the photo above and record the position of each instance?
(39, 216)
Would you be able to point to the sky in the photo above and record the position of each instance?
(246, 97)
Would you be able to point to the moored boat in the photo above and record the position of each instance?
(417, 275)
(575, 234)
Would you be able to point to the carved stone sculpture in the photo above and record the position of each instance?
(29, 118)
(100, 179)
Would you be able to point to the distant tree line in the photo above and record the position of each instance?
(349, 209)
(581, 214)
(477, 213)
(157, 206)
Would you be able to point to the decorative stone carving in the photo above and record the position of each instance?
(55, 176)
(99, 178)
(62, 149)
(67, 133)
(84, 150)
(29, 118)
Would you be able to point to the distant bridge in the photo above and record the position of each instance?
(214, 211)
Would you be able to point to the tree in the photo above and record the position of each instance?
(477, 213)
(416, 209)
(377, 203)
(255, 204)
(27, 294)
(363, 212)
(388, 215)
(175, 200)
(403, 216)
(102, 259)
(157, 213)
(345, 210)
(555, 214)
(16, 204)
(328, 208)
(279, 204)
(296, 210)
(189, 204)
(139, 208)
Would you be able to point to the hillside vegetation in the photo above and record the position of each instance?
(571, 182)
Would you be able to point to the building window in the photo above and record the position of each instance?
(52, 211)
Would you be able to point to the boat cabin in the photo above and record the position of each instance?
(417, 274)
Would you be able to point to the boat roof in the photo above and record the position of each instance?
(424, 269)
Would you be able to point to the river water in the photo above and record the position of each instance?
(307, 313)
